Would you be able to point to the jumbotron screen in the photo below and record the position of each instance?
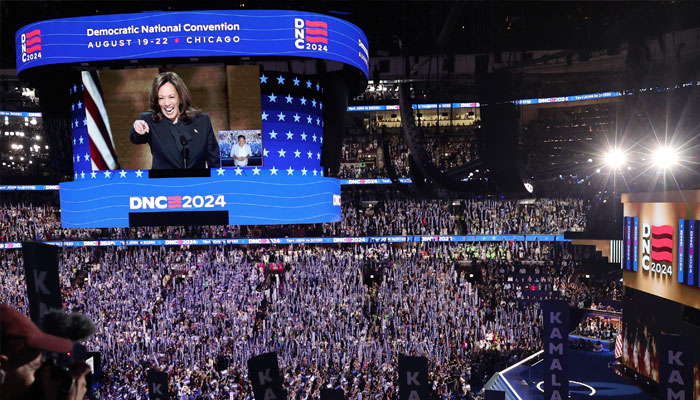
(257, 134)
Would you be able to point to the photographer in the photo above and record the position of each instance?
(22, 360)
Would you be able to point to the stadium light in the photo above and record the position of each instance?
(615, 158)
(664, 158)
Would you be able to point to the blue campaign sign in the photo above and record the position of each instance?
(267, 198)
(191, 34)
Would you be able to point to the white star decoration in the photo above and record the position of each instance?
(314, 137)
(80, 105)
(297, 154)
(280, 80)
(220, 171)
(273, 98)
(303, 101)
(273, 171)
(296, 117)
(256, 171)
(315, 172)
(273, 134)
(310, 154)
(289, 98)
(93, 174)
(264, 116)
(303, 136)
(280, 116)
(318, 156)
(313, 103)
(266, 152)
(281, 153)
(296, 81)
(82, 175)
(87, 156)
(290, 135)
(304, 171)
(308, 84)
(122, 174)
(309, 119)
(290, 171)
(80, 139)
(263, 78)
(139, 174)
(108, 174)
(239, 171)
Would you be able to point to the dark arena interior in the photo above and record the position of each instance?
(349, 200)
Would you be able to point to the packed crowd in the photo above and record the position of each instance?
(36, 216)
(337, 316)
(600, 327)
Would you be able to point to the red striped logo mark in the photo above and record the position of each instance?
(33, 41)
(316, 31)
(662, 243)
(174, 201)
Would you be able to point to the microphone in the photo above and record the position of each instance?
(185, 150)
(74, 326)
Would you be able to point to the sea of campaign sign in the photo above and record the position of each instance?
(249, 199)
(191, 34)
(297, 240)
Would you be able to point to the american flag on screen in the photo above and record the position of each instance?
(292, 124)
(618, 345)
(93, 144)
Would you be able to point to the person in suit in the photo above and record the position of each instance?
(180, 136)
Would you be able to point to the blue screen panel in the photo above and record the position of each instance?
(106, 200)
(191, 34)
(681, 248)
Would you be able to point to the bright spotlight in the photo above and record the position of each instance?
(664, 158)
(615, 158)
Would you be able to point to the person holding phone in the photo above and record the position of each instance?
(180, 136)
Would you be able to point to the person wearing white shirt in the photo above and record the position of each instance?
(241, 153)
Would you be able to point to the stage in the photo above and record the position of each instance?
(589, 375)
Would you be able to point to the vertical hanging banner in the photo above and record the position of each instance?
(41, 273)
(675, 367)
(264, 374)
(413, 378)
(157, 382)
(555, 315)
(495, 395)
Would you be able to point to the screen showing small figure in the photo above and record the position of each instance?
(241, 148)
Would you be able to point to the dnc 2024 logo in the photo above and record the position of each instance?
(657, 248)
(310, 35)
(31, 45)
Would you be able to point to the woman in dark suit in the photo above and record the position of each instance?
(180, 136)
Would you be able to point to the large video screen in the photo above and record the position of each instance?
(660, 241)
(254, 137)
(641, 329)
(146, 117)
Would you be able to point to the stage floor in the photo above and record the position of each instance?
(588, 372)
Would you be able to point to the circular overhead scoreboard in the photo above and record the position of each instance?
(269, 76)
(148, 35)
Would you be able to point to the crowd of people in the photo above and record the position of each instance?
(336, 316)
(600, 327)
(36, 216)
